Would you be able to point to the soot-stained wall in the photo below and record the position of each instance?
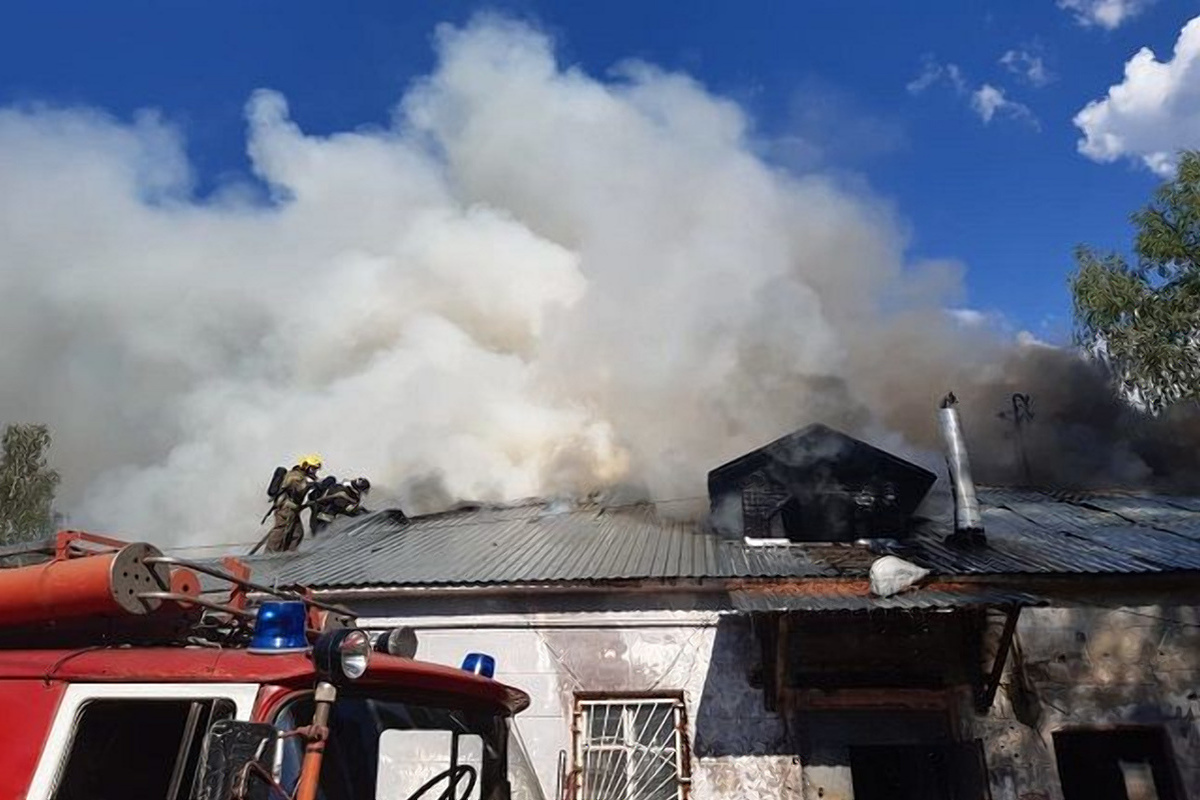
(1083, 668)
(738, 748)
(1094, 668)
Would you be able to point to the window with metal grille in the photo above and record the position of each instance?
(630, 749)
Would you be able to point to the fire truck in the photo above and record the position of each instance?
(128, 674)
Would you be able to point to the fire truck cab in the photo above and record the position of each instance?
(122, 678)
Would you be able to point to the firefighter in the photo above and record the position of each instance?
(288, 529)
(343, 499)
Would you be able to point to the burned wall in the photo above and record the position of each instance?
(1074, 668)
(740, 748)
(816, 484)
(1092, 668)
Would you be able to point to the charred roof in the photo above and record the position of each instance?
(817, 484)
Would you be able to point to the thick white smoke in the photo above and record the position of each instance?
(533, 282)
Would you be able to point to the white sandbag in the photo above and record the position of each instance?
(891, 575)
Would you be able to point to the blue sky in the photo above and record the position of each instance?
(1010, 198)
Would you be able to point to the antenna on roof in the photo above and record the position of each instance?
(1021, 413)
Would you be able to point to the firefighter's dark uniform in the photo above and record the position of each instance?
(288, 529)
(342, 499)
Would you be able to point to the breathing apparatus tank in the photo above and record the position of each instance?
(276, 482)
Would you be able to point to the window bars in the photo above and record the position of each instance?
(630, 749)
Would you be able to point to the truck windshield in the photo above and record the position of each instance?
(387, 749)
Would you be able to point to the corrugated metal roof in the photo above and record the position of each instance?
(1028, 532)
(530, 544)
(1036, 532)
(916, 599)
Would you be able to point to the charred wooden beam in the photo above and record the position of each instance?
(987, 692)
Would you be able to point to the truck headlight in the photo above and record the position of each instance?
(342, 655)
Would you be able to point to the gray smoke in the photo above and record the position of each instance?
(533, 282)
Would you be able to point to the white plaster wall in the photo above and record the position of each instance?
(735, 742)
(606, 652)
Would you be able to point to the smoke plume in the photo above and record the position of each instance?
(533, 282)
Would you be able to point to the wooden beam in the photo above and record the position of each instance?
(987, 692)
(766, 631)
(782, 687)
(873, 698)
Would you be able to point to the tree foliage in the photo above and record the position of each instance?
(27, 484)
(1144, 318)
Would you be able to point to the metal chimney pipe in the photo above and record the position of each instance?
(968, 523)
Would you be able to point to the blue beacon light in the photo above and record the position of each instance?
(279, 627)
(480, 664)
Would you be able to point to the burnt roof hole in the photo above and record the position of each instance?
(816, 485)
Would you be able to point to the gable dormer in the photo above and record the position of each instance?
(816, 485)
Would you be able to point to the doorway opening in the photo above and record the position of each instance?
(948, 771)
(897, 772)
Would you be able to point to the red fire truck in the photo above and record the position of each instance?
(130, 674)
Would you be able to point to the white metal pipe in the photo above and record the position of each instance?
(967, 518)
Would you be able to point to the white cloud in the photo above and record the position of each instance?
(1029, 66)
(1153, 113)
(1029, 339)
(933, 72)
(968, 317)
(987, 101)
(1107, 14)
(974, 319)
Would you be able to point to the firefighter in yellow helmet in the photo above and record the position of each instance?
(288, 530)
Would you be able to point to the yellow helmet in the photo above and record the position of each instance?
(311, 460)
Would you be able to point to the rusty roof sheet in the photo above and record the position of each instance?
(1028, 532)
(917, 599)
